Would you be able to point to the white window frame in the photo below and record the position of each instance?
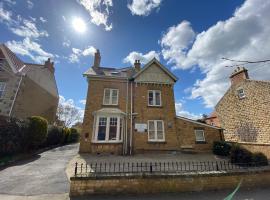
(2, 88)
(110, 100)
(242, 94)
(155, 128)
(154, 98)
(196, 138)
(96, 126)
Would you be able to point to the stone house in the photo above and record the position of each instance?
(244, 112)
(26, 89)
(132, 110)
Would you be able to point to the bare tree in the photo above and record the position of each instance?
(68, 114)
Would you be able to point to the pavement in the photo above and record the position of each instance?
(43, 175)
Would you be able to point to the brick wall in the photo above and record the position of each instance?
(186, 134)
(175, 183)
(247, 119)
(94, 102)
(144, 113)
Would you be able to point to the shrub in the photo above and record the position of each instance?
(259, 159)
(240, 155)
(221, 148)
(55, 136)
(12, 135)
(37, 131)
(66, 132)
(74, 135)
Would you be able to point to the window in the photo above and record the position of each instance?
(110, 96)
(199, 135)
(2, 89)
(241, 93)
(154, 98)
(156, 131)
(108, 129)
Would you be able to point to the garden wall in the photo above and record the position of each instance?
(255, 147)
(166, 183)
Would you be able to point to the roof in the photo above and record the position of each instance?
(126, 72)
(154, 60)
(199, 123)
(212, 115)
(14, 62)
(110, 111)
(38, 73)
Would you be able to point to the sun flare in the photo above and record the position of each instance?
(79, 25)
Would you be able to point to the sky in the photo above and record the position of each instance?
(189, 37)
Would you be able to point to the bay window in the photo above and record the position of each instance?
(156, 131)
(108, 129)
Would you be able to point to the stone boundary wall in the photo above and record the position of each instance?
(143, 184)
(255, 147)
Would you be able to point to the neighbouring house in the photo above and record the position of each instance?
(132, 110)
(212, 119)
(244, 112)
(26, 89)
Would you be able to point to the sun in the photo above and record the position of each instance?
(79, 25)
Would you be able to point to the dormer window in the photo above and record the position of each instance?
(110, 96)
(241, 93)
(154, 98)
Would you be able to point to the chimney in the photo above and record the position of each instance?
(137, 65)
(49, 65)
(97, 59)
(240, 74)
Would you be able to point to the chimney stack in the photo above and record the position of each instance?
(49, 65)
(97, 59)
(137, 65)
(240, 74)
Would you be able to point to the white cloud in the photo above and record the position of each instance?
(143, 7)
(176, 42)
(30, 4)
(43, 20)
(28, 28)
(74, 57)
(66, 43)
(5, 16)
(10, 2)
(244, 36)
(99, 11)
(83, 101)
(144, 58)
(183, 113)
(29, 48)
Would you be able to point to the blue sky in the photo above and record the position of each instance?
(187, 36)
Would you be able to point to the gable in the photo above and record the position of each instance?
(153, 72)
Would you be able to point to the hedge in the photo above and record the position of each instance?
(221, 148)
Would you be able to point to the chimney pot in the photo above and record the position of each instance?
(137, 65)
(49, 65)
(240, 74)
(97, 59)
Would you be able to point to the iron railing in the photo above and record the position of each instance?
(133, 168)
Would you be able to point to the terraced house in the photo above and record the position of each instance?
(26, 89)
(132, 110)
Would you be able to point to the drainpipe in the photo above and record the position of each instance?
(13, 102)
(126, 124)
(131, 119)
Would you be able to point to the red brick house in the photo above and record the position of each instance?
(131, 110)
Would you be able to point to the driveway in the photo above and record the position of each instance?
(43, 174)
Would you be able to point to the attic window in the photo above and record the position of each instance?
(241, 93)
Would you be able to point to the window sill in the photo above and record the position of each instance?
(154, 142)
(110, 105)
(154, 106)
(201, 142)
(107, 142)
